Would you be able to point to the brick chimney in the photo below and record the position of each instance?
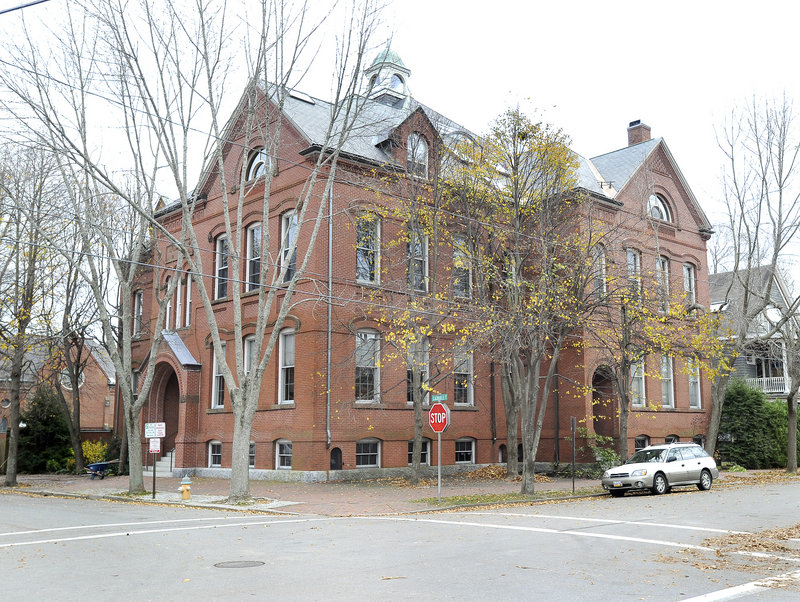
(638, 132)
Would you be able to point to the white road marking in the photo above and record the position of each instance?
(151, 531)
(754, 587)
(612, 521)
(131, 524)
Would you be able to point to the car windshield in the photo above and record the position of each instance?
(647, 455)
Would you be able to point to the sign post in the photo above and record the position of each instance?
(572, 426)
(154, 431)
(439, 419)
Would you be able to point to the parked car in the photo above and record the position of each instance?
(660, 467)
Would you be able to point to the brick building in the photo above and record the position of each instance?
(334, 402)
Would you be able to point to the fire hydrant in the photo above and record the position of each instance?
(186, 488)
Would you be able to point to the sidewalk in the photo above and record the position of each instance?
(384, 496)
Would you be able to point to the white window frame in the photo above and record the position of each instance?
(138, 312)
(461, 443)
(413, 350)
(656, 201)
(251, 456)
(221, 267)
(638, 392)
(282, 446)
(633, 258)
(168, 317)
(376, 453)
(258, 163)
(662, 279)
(248, 349)
(695, 391)
(217, 382)
(286, 364)
(425, 455)
(179, 303)
(463, 360)
(289, 231)
(212, 454)
(253, 278)
(371, 221)
(417, 238)
(690, 283)
(417, 155)
(187, 321)
(667, 382)
(645, 440)
(361, 336)
(460, 272)
(600, 275)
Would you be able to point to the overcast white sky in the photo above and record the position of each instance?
(593, 66)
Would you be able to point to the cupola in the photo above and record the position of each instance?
(388, 79)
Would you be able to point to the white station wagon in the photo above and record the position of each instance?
(660, 467)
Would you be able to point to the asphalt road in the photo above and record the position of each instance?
(637, 547)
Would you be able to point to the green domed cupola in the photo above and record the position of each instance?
(388, 78)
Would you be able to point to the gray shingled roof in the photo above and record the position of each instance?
(619, 166)
(178, 347)
(730, 287)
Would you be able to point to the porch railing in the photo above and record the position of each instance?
(773, 385)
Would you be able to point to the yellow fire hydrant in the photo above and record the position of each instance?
(186, 488)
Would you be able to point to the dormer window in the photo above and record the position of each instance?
(417, 163)
(657, 208)
(257, 166)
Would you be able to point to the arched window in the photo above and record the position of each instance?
(657, 208)
(397, 83)
(257, 163)
(417, 163)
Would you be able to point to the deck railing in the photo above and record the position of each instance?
(773, 385)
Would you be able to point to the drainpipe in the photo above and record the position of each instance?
(330, 300)
(493, 399)
(557, 427)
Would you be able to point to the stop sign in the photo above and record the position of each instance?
(439, 417)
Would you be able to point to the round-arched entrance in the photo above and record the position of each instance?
(164, 404)
(604, 403)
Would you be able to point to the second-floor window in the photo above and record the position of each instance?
(667, 388)
(367, 372)
(634, 261)
(367, 248)
(462, 268)
(637, 384)
(695, 401)
(221, 268)
(417, 360)
(168, 317)
(286, 376)
(662, 281)
(218, 384)
(253, 256)
(599, 272)
(462, 379)
(689, 284)
(138, 312)
(417, 260)
(288, 238)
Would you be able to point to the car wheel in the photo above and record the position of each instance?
(660, 484)
(616, 492)
(705, 481)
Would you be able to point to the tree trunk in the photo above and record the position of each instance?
(512, 427)
(240, 458)
(135, 476)
(416, 455)
(718, 389)
(791, 448)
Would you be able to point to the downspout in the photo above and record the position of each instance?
(493, 399)
(557, 426)
(330, 300)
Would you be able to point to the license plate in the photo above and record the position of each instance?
(617, 483)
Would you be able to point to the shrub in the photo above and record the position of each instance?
(94, 451)
(44, 443)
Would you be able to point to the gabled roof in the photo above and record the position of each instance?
(619, 166)
(729, 287)
(179, 349)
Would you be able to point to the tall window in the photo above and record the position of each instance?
(634, 260)
(218, 384)
(417, 260)
(637, 383)
(258, 163)
(662, 280)
(249, 353)
(695, 402)
(214, 453)
(657, 208)
(465, 451)
(221, 268)
(288, 238)
(462, 379)
(424, 456)
(179, 303)
(138, 311)
(368, 453)
(689, 286)
(367, 372)
(599, 271)
(417, 360)
(252, 455)
(286, 376)
(417, 162)
(168, 317)
(667, 384)
(462, 268)
(253, 256)
(188, 317)
(283, 454)
(367, 248)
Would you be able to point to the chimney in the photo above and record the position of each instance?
(638, 132)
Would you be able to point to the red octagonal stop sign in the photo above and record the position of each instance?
(439, 417)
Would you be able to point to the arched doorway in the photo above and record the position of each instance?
(164, 404)
(336, 459)
(604, 404)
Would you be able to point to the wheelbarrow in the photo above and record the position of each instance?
(98, 469)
